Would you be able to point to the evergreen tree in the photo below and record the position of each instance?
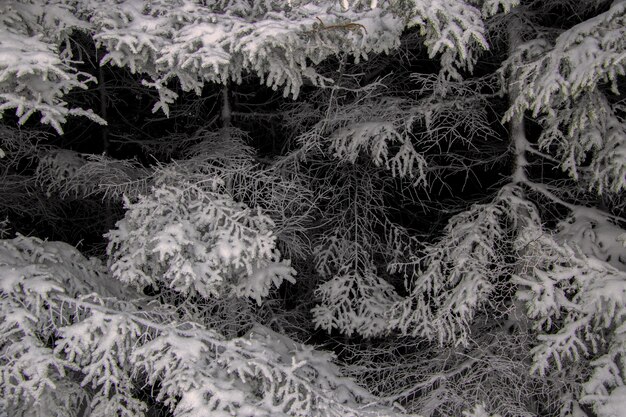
(433, 189)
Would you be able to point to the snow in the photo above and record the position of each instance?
(615, 404)
(202, 246)
(596, 237)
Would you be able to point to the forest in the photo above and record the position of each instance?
(314, 208)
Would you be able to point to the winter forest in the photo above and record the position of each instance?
(315, 208)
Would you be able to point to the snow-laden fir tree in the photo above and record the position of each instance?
(569, 279)
(515, 305)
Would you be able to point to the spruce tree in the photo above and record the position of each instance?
(312, 208)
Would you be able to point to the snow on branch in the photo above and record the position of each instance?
(356, 298)
(564, 84)
(64, 347)
(35, 62)
(196, 43)
(195, 239)
(493, 7)
(577, 303)
(33, 274)
(356, 293)
(220, 41)
(453, 277)
(354, 301)
(74, 175)
(379, 127)
(281, 42)
(582, 58)
(453, 29)
(590, 137)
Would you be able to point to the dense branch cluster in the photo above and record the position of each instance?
(432, 190)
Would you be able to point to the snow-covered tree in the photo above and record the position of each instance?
(569, 278)
(73, 343)
(432, 188)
